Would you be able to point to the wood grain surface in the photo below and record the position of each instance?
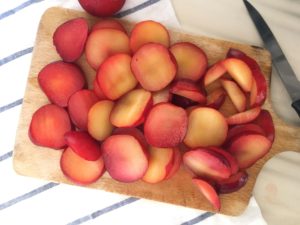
(43, 163)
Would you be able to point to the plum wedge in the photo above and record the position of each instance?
(165, 125)
(160, 162)
(48, 126)
(207, 164)
(191, 60)
(249, 148)
(80, 170)
(124, 157)
(206, 127)
(69, 39)
(79, 105)
(99, 45)
(98, 123)
(209, 192)
(59, 80)
(148, 32)
(130, 110)
(153, 66)
(115, 77)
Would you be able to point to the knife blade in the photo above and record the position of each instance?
(279, 60)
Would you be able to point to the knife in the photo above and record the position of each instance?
(279, 60)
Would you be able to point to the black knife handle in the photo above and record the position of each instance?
(296, 106)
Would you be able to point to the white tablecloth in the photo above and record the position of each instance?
(25, 200)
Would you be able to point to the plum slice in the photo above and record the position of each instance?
(148, 32)
(207, 164)
(99, 45)
(189, 90)
(159, 163)
(258, 92)
(163, 95)
(83, 145)
(231, 160)
(48, 126)
(249, 148)
(124, 157)
(80, 170)
(79, 105)
(206, 127)
(130, 110)
(98, 123)
(265, 121)
(191, 60)
(165, 126)
(209, 192)
(236, 95)
(59, 80)
(233, 183)
(216, 98)
(115, 77)
(244, 117)
(70, 37)
(108, 23)
(176, 163)
(153, 66)
(214, 72)
(240, 72)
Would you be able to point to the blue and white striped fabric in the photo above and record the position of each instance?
(25, 200)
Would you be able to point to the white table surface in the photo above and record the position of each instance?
(32, 201)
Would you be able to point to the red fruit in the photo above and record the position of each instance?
(165, 125)
(231, 160)
(98, 124)
(216, 98)
(244, 117)
(206, 127)
(233, 183)
(124, 158)
(83, 145)
(207, 164)
(159, 163)
(258, 92)
(130, 110)
(265, 121)
(243, 129)
(176, 163)
(115, 77)
(108, 23)
(48, 126)
(189, 90)
(191, 60)
(98, 91)
(214, 72)
(69, 39)
(102, 8)
(148, 32)
(161, 96)
(133, 132)
(183, 101)
(79, 105)
(80, 170)
(249, 148)
(59, 80)
(236, 95)
(240, 72)
(209, 192)
(100, 46)
(153, 66)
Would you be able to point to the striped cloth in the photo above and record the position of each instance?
(25, 200)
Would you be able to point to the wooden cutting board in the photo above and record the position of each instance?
(43, 163)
